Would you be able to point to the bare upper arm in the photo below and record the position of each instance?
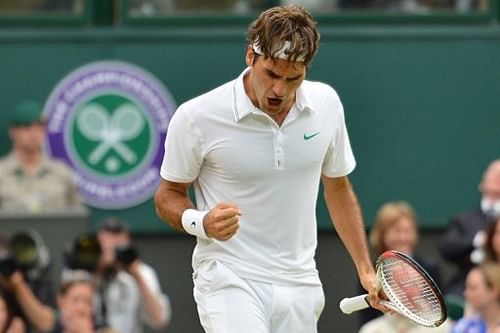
(336, 184)
(168, 186)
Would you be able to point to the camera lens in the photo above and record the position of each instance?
(24, 250)
(84, 253)
(126, 254)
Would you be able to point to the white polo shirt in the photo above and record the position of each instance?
(233, 152)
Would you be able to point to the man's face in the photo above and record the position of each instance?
(109, 242)
(28, 137)
(490, 185)
(272, 83)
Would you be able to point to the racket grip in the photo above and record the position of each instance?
(351, 304)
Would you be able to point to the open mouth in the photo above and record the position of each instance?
(274, 101)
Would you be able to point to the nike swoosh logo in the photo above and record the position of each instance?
(308, 137)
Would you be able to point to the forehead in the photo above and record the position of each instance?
(24, 127)
(404, 222)
(111, 237)
(79, 289)
(282, 67)
(475, 276)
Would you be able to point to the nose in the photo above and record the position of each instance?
(279, 88)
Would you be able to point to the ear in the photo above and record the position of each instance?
(249, 56)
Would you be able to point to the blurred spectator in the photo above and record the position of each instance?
(314, 6)
(32, 259)
(40, 316)
(122, 275)
(489, 252)
(30, 181)
(395, 323)
(465, 233)
(75, 305)
(35, 7)
(25, 277)
(482, 293)
(395, 228)
(151, 8)
(9, 321)
(492, 244)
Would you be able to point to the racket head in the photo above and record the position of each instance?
(410, 289)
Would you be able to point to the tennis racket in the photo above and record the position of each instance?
(409, 289)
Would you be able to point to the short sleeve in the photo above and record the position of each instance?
(183, 159)
(339, 160)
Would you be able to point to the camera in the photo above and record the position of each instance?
(126, 254)
(25, 252)
(83, 253)
(7, 265)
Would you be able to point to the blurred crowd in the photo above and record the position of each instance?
(103, 286)
(171, 7)
(103, 269)
(148, 8)
(471, 243)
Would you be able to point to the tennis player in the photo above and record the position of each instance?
(255, 149)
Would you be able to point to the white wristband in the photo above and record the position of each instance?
(192, 222)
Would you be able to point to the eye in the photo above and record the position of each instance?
(272, 75)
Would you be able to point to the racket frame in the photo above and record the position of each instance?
(393, 303)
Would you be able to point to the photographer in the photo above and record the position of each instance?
(25, 277)
(122, 275)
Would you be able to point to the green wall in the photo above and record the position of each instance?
(421, 102)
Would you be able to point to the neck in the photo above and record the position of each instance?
(491, 316)
(29, 160)
(279, 118)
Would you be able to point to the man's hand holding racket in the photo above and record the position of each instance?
(409, 289)
(369, 283)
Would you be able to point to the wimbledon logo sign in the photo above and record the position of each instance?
(108, 121)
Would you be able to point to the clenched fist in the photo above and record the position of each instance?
(222, 222)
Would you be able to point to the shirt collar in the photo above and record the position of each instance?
(242, 105)
(15, 167)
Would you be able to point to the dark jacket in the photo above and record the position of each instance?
(456, 247)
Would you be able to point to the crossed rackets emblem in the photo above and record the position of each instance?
(112, 131)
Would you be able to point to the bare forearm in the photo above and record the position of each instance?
(170, 204)
(154, 305)
(40, 315)
(347, 219)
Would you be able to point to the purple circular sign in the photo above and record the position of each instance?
(108, 121)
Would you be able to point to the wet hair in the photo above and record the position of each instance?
(277, 25)
(387, 216)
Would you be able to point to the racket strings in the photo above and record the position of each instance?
(411, 291)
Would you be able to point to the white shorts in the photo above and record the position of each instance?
(229, 304)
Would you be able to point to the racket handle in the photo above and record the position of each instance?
(351, 304)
